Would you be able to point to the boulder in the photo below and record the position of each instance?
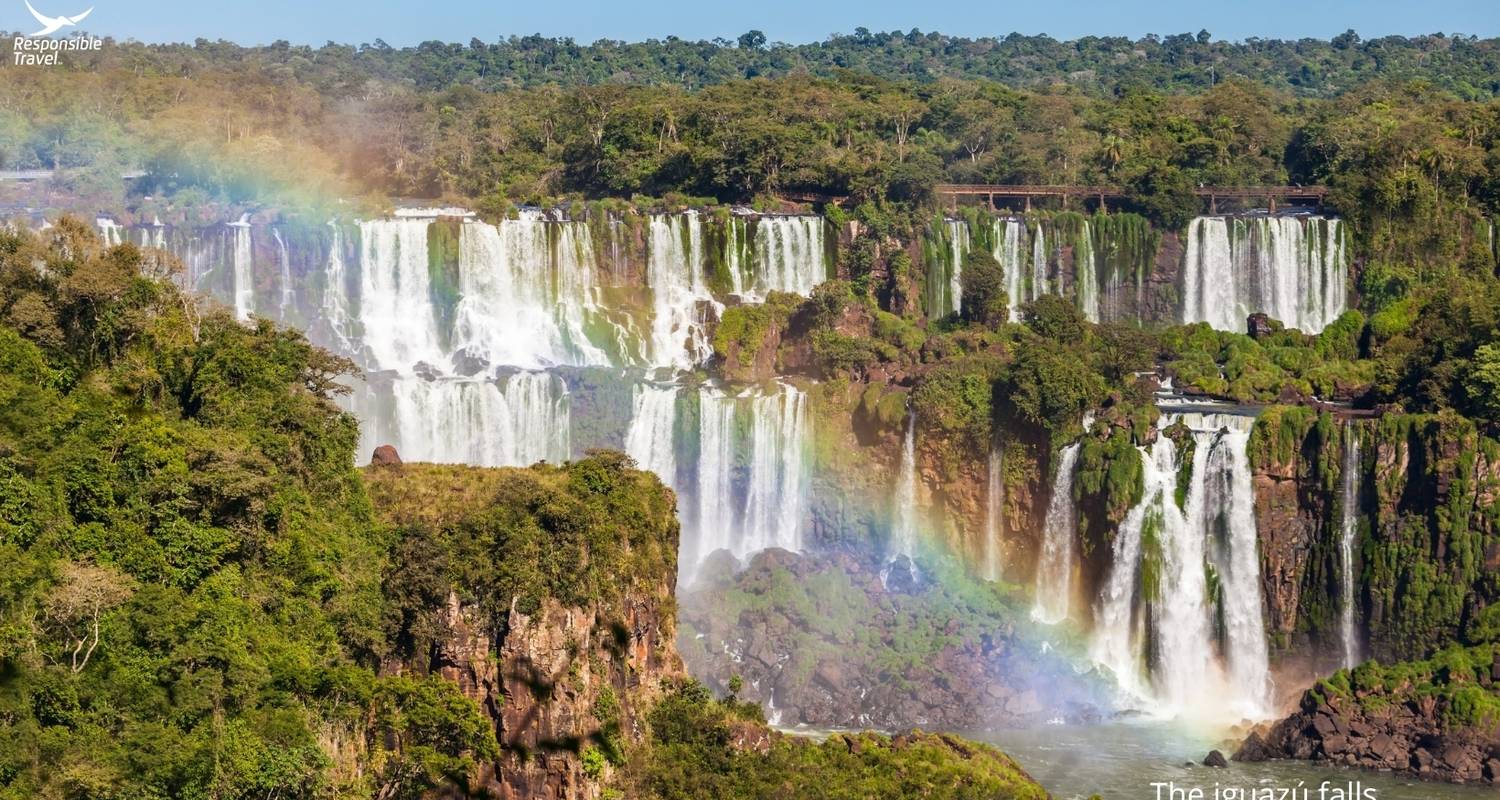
(1215, 759)
(1260, 325)
(1334, 746)
(385, 456)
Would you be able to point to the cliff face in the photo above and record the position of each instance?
(546, 595)
(1426, 533)
(559, 681)
(1297, 522)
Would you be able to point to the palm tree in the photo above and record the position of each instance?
(1113, 152)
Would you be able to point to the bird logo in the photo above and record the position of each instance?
(51, 25)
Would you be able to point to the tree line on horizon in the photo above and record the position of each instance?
(1465, 65)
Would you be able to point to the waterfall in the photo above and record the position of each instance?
(1054, 573)
(244, 277)
(994, 513)
(904, 507)
(395, 306)
(110, 230)
(284, 259)
(1180, 619)
(789, 255)
(1117, 625)
(674, 269)
(1007, 236)
(958, 249)
(1227, 516)
(1085, 274)
(1291, 268)
(649, 439)
(1038, 262)
(740, 280)
(153, 235)
(335, 302)
(526, 293)
(512, 421)
(752, 481)
(776, 497)
(1349, 533)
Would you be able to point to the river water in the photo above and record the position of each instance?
(1121, 761)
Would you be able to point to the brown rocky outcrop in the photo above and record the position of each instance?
(1410, 736)
(547, 678)
(1289, 516)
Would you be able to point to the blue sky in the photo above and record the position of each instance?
(401, 23)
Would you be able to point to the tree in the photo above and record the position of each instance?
(1484, 382)
(77, 604)
(752, 40)
(983, 283)
(1055, 318)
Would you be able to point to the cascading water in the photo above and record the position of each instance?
(904, 504)
(735, 258)
(1038, 262)
(1180, 619)
(514, 420)
(335, 300)
(788, 255)
(649, 439)
(471, 342)
(153, 235)
(526, 293)
(1006, 235)
(1054, 571)
(674, 270)
(994, 513)
(1348, 536)
(395, 310)
(1227, 514)
(1085, 274)
(1291, 268)
(1118, 622)
(752, 482)
(244, 277)
(288, 294)
(958, 250)
(111, 231)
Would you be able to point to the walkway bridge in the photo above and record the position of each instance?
(1026, 192)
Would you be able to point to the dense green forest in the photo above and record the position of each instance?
(215, 123)
(1096, 65)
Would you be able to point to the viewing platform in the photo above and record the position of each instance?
(990, 191)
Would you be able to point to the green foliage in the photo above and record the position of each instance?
(1483, 385)
(1056, 319)
(1111, 475)
(593, 761)
(692, 755)
(1237, 367)
(1048, 385)
(579, 534)
(186, 482)
(983, 283)
(1455, 678)
(745, 331)
(955, 398)
(1279, 436)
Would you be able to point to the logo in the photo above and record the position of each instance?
(52, 25)
(40, 50)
